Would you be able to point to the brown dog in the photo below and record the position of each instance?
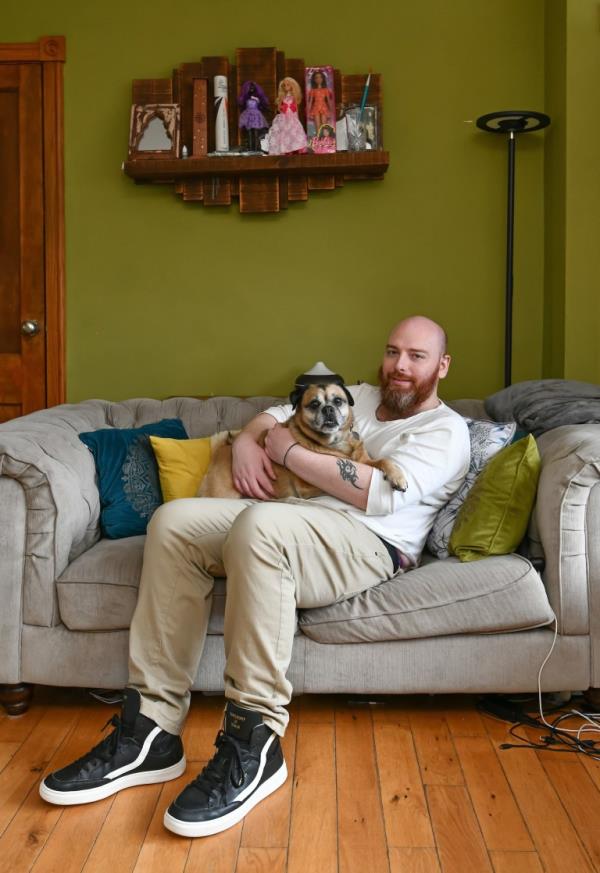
(322, 422)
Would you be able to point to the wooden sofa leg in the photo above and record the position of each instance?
(592, 697)
(16, 698)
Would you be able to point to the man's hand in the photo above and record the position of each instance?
(252, 469)
(277, 442)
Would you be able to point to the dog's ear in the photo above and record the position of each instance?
(296, 396)
(349, 396)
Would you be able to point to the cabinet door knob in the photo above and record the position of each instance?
(30, 327)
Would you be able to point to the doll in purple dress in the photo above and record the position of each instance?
(254, 102)
(287, 134)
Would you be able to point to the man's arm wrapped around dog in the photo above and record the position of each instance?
(339, 477)
(252, 469)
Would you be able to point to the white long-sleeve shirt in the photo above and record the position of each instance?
(433, 450)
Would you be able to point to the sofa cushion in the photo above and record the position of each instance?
(442, 597)
(98, 590)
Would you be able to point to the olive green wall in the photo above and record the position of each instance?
(172, 298)
(572, 186)
(555, 182)
(582, 261)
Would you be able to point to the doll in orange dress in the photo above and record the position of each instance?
(320, 108)
(286, 134)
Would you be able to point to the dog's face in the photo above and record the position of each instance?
(324, 409)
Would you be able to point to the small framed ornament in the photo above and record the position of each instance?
(154, 130)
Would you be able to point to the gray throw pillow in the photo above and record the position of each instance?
(487, 438)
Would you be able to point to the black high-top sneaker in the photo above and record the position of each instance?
(137, 752)
(247, 766)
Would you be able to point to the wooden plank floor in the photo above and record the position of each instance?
(412, 785)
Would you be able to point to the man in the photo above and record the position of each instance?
(277, 556)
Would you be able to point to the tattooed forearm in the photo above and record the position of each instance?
(348, 472)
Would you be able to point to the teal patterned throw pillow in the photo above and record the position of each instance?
(128, 474)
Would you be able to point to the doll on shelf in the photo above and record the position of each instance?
(287, 134)
(324, 143)
(254, 102)
(320, 103)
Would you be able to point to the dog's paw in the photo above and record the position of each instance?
(398, 484)
(396, 478)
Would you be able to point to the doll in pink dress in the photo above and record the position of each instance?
(287, 134)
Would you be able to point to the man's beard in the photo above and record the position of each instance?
(401, 402)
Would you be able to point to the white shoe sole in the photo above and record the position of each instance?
(215, 826)
(89, 795)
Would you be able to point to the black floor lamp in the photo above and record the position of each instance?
(511, 122)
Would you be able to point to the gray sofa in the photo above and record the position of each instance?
(68, 595)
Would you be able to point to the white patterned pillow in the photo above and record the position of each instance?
(487, 438)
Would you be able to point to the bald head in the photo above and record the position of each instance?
(415, 360)
(431, 333)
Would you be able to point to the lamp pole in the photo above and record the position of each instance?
(510, 236)
(511, 122)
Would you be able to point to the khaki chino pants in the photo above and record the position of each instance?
(277, 556)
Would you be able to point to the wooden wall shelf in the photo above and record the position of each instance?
(263, 183)
(350, 164)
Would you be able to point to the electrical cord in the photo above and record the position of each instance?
(569, 739)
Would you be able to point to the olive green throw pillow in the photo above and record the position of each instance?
(494, 517)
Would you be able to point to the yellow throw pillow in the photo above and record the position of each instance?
(494, 517)
(181, 465)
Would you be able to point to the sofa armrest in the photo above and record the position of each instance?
(56, 472)
(567, 521)
(12, 542)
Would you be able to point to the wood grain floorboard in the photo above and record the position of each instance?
(28, 764)
(216, 854)
(499, 817)
(516, 862)
(593, 769)
(123, 831)
(313, 831)
(262, 861)
(407, 820)
(395, 712)
(579, 796)
(162, 850)
(201, 728)
(17, 729)
(72, 839)
(464, 721)
(459, 841)
(414, 861)
(26, 835)
(435, 750)
(361, 832)
(7, 752)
